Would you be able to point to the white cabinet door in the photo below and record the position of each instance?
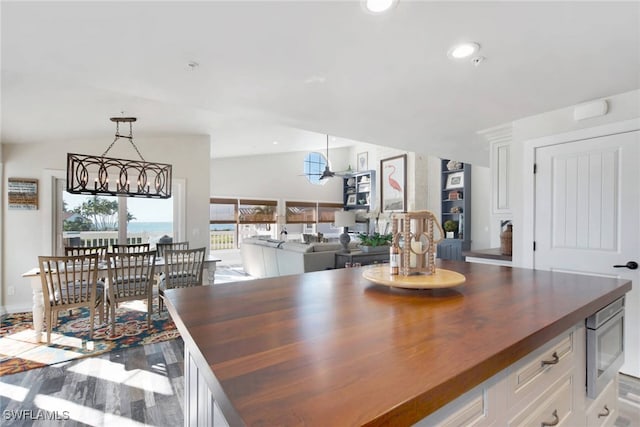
(500, 185)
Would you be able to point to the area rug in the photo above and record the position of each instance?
(19, 350)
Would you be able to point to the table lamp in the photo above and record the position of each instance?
(344, 219)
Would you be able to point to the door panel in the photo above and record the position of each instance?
(587, 216)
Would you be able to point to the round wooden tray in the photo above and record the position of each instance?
(440, 279)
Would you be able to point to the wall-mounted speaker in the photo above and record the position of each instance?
(591, 109)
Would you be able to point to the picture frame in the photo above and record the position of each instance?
(362, 161)
(22, 194)
(455, 180)
(351, 199)
(393, 184)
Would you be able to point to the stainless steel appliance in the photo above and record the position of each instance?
(605, 346)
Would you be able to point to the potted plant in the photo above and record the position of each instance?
(450, 227)
(375, 242)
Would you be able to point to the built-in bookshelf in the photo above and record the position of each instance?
(455, 207)
(359, 193)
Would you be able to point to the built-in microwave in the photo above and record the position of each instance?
(605, 346)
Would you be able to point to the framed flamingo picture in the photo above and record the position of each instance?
(393, 185)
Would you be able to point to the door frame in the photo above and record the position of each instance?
(529, 155)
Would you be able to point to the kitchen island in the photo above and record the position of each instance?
(330, 348)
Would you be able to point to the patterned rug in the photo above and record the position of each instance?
(70, 339)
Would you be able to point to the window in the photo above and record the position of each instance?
(223, 224)
(232, 220)
(300, 212)
(326, 217)
(94, 220)
(314, 166)
(326, 212)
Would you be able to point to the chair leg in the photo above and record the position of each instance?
(92, 320)
(101, 312)
(149, 311)
(113, 319)
(48, 317)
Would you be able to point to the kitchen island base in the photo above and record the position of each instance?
(331, 348)
(534, 390)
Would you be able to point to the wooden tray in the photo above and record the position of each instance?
(440, 279)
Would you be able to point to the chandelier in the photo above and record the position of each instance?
(100, 175)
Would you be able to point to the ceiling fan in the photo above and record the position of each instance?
(328, 173)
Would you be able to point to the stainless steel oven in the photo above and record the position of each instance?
(605, 346)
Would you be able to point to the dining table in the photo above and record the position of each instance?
(33, 278)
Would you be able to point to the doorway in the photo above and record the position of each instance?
(587, 216)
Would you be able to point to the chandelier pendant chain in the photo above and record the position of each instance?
(129, 137)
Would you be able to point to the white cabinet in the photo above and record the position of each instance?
(546, 387)
(603, 411)
(500, 182)
(554, 407)
(533, 375)
(499, 139)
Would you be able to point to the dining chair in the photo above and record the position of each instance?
(182, 268)
(87, 250)
(161, 248)
(130, 277)
(70, 282)
(128, 248)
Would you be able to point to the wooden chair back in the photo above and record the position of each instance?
(131, 277)
(161, 248)
(182, 269)
(70, 282)
(87, 250)
(129, 248)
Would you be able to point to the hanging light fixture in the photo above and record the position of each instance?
(100, 175)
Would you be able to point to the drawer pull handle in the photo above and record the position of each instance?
(553, 361)
(605, 413)
(555, 421)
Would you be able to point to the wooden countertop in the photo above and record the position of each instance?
(330, 348)
(492, 253)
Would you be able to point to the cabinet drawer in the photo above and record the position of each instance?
(469, 415)
(603, 411)
(479, 407)
(554, 407)
(540, 369)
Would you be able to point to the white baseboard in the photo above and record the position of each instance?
(10, 309)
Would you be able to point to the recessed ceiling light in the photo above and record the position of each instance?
(275, 142)
(463, 50)
(378, 6)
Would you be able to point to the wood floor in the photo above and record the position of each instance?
(130, 387)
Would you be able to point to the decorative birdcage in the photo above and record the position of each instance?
(413, 233)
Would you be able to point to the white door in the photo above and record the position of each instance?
(587, 217)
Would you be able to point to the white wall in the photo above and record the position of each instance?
(622, 107)
(278, 177)
(25, 231)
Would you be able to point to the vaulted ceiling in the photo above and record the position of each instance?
(293, 71)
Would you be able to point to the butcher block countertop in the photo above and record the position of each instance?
(330, 348)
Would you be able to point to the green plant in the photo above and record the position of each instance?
(450, 225)
(375, 239)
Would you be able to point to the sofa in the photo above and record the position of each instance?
(270, 258)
